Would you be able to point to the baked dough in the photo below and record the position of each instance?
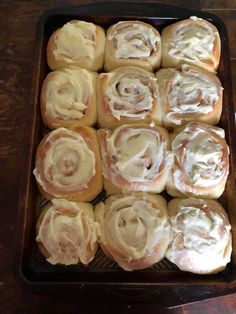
(133, 43)
(66, 232)
(193, 41)
(135, 158)
(133, 229)
(189, 94)
(68, 165)
(127, 95)
(201, 162)
(77, 43)
(202, 241)
(68, 98)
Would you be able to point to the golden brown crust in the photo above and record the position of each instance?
(94, 64)
(90, 113)
(148, 63)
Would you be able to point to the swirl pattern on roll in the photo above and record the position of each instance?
(194, 41)
(189, 94)
(65, 163)
(68, 232)
(68, 93)
(134, 229)
(201, 159)
(133, 40)
(129, 92)
(146, 160)
(201, 236)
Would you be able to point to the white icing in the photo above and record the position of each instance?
(200, 237)
(134, 40)
(200, 154)
(140, 155)
(133, 226)
(68, 162)
(68, 94)
(130, 93)
(76, 40)
(193, 42)
(68, 233)
(190, 93)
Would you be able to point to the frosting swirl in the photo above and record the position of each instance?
(201, 236)
(201, 158)
(68, 233)
(134, 230)
(189, 93)
(131, 92)
(64, 162)
(68, 93)
(134, 40)
(193, 41)
(146, 159)
(70, 35)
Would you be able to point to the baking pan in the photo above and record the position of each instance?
(102, 274)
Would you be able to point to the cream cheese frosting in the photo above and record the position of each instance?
(132, 226)
(134, 40)
(68, 233)
(201, 237)
(191, 93)
(76, 40)
(202, 155)
(144, 160)
(67, 162)
(193, 43)
(68, 94)
(130, 93)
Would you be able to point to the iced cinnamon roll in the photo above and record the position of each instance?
(133, 229)
(201, 236)
(132, 43)
(68, 98)
(135, 158)
(68, 164)
(193, 41)
(127, 95)
(189, 94)
(77, 43)
(201, 162)
(66, 232)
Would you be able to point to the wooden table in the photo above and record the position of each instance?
(18, 21)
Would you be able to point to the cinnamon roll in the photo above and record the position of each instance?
(193, 41)
(201, 162)
(201, 236)
(68, 164)
(189, 94)
(133, 229)
(68, 98)
(132, 43)
(127, 95)
(67, 232)
(77, 43)
(135, 158)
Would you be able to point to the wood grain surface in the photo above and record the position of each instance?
(18, 20)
